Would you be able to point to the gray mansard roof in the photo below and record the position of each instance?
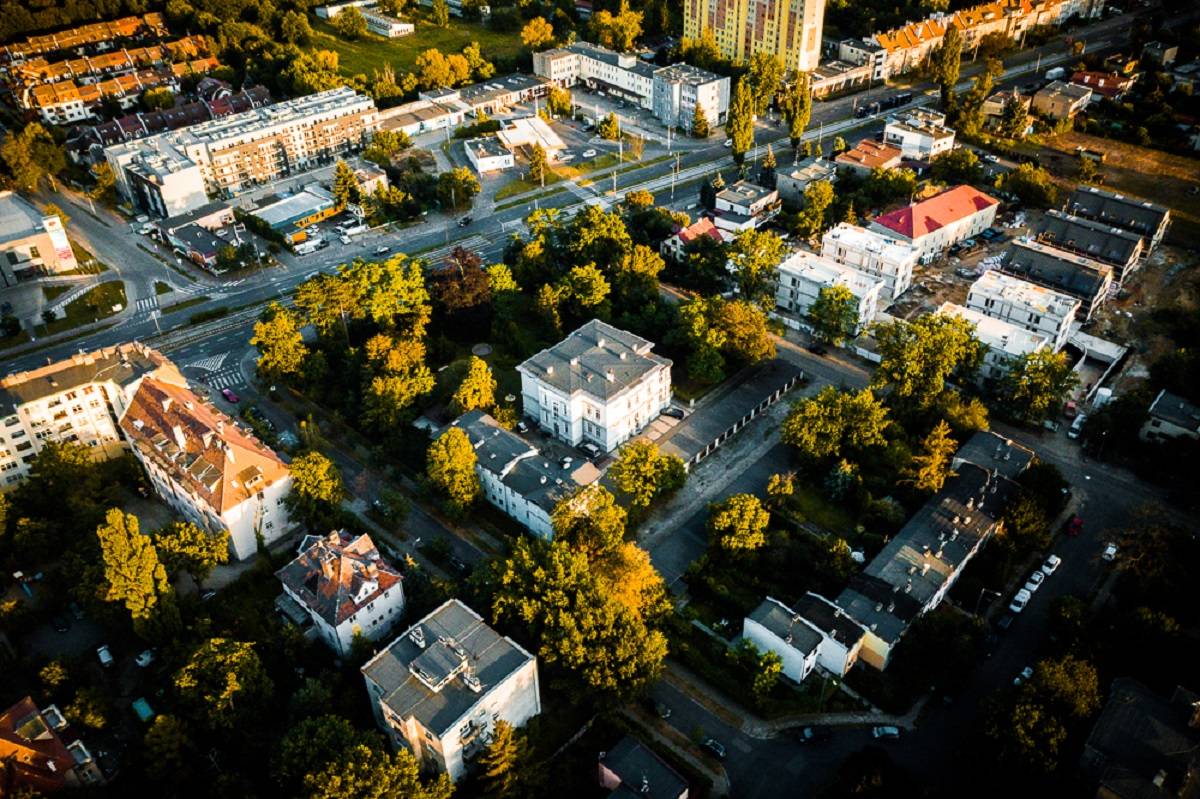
(1097, 240)
(598, 359)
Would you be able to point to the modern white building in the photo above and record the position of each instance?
(345, 587)
(920, 134)
(518, 479)
(599, 385)
(206, 467)
(935, 224)
(680, 88)
(1064, 271)
(885, 256)
(802, 277)
(440, 687)
(1006, 343)
(1034, 308)
(78, 399)
(387, 26)
(744, 205)
(31, 243)
(487, 154)
(774, 627)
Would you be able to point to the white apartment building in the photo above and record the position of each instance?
(487, 154)
(743, 205)
(177, 171)
(680, 88)
(773, 627)
(386, 26)
(518, 479)
(920, 134)
(345, 587)
(440, 687)
(1030, 307)
(935, 224)
(79, 399)
(888, 258)
(599, 385)
(1006, 342)
(205, 466)
(802, 276)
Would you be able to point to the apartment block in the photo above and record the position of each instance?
(920, 134)
(790, 29)
(440, 687)
(386, 26)
(31, 243)
(1146, 219)
(680, 88)
(1006, 342)
(774, 627)
(102, 35)
(345, 587)
(803, 275)
(42, 752)
(208, 468)
(886, 257)
(1033, 308)
(1063, 271)
(178, 171)
(79, 399)
(600, 385)
(1122, 249)
(933, 225)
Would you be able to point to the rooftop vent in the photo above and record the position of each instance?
(417, 636)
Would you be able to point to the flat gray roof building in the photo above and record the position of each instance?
(597, 359)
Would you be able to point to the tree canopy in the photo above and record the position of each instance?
(224, 683)
(477, 390)
(834, 314)
(643, 473)
(739, 523)
(131, 566)
(835, 422)
(919, 356)
(450, 467)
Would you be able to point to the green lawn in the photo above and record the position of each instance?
(371, 52)
(93, 306)
(51, 292)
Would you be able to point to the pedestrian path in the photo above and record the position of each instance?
(144, 307)
(225, 378)
(209, 364)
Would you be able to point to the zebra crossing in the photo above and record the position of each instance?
(225, 378)
(145, 304)
(212, 363)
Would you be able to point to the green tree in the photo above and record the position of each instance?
(739, 523)
(833, 422)
(590, 521)
(31, 156)
(477, 390)
(700, 126)
(131, 566)
(742, 328)
(797, 108)
(812, 219)
(617, 31)
(739, 123)
(317, 489)
(1014, 117)
(350, 23)
(1037, 383)
(53, 675)
(294, 28)
(169, 750)
(955, 166)
(766, 74)
(346, 188)
(537, 164)
(281, 350)
(363, 772)
(440, 14)
(537, 33)
(609, 127)
(104, 189)
(224, 684)
(184, 546)
(766, 675)
(1025, 528)
(929, 469)
(643, 473)
(753, 259)
(503, 762)
(91, 708)
(450, 467)
(1030, 184)
(917, 357)
(944, 63)
(457, 188)
(311, 745)
(559, 101)
(834, 314)
(158, 98)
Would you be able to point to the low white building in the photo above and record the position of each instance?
(1171, 416)
(440, 687)
(1030, 307)
(600, 385)
(841, 636)
(345, 587)
(518, 479)
(206, 467)
(528, 131)
(888, 258)
(1006, 343)
(920, 134)
(387, 26)
(803, 275)
(488, 155)
(793, 182)
(744, 205)
(773, 627)
(936, 224)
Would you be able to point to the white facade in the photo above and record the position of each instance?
(886, 257)
(600, 385)
(488, 155)
(936, 224)
(680, 88)
(841, 636)
(919, 134)
(773, 627)
(389, 27)
(1030, 307)
(746, 199)
(803, 275)
(1006, 343)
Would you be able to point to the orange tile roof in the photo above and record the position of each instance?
(869, 154)
(701, 227)
(32, 750)
(199, 446)
(922, 218)
(911, 35)
(338, 575)
(84, 34)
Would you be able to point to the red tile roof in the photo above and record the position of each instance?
(869, 154)
(339, 575)
(922, 218)
(1106, 84)
(701, 227)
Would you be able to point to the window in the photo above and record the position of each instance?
(269, 525)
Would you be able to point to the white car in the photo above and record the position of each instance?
(1110, 552)
(1025, 674)
(145, 658)
(1034, 582)
(565, 157)
(729, 142)
(382, 249)
(1051, 565)
(589, 153)
(1020, 601)
(344, 239)
(992, 159)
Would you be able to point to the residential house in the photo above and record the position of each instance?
(1061, 100)
(1161, 53)
(1006, 343)
(518, 479)
(1148, 220)
(41, 752)
(869, 155)
(1036, 309)
(31, 243)
(675, 246)
(744, 205)
(345, 587)
(774, 627)
(804, 275)
(387, 26)
(933, 225)
(920, 134)
(439, 688)
(78, 400)
(1065, 272)
(631, 769)
(1104, 85)
(1121, 249)
(1143, 745)
(487, 154)
(865, 53)
(886, 257)
(841, 636)
(599, 385)
(206, 467)
(994, 105)
(1171, 416)
(792, 183)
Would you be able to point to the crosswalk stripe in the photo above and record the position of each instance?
(209, 364)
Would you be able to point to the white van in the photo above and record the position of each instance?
(1077, 426)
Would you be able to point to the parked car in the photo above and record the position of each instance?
(382, 249)
(1110, 551)
(145, 658)
(457, 565)
(1004, 622)
(962, 271)
(674, 413)
(715, 747)
(229, 395)
(1020, 601)
(1051, 565)
(814, 735)
(1025, 674)
(729, 142)
(207, 595)
(589, 153)
(566, 461)
(522, 428)
(1077, 426)
(591, 449)
(659, 709)
(344, 239)
(1035, 581)
(992, 159)
(886, 733)
(1051, 425)
(817, 348)
(1074, 526)
(106, 658)
(466, 220)
(1070, 409)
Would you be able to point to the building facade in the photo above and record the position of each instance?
(886, 257)
(1059, 100)
(945, 219)
(774, 627)
(790, 29)
(386, 26)
(841, 636)
(42, 752)
(206, 467)
(31, 243)
(1060, 270)
(920, 134)
(599, 385)
(487, 154)
(1006, 343)
(803, 275)
(1171, 416)
(439, 688)
(1148, 220)
(1123, 250)
(1036, 309)
(793, 183)
(743, 205)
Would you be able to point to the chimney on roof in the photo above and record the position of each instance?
(610, 376)
(177, 432)
(372, 571)
(600, 342)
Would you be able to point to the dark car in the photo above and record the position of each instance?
(1004, 622)
(1074, 526)
(674, 413)
(466, 220)
(715, 747)
(813, 735)
(457, 565)
(817, 348)
(522, 428)
(659, 709)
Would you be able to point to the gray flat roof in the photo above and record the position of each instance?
(642, 772)
(993, 451)
(781, 621)
(18, 218)
(1176, 410)
(123, 365)
(827, 617)
(486, 147)
(1095, 239)
(1130, 213)
(598, 359)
